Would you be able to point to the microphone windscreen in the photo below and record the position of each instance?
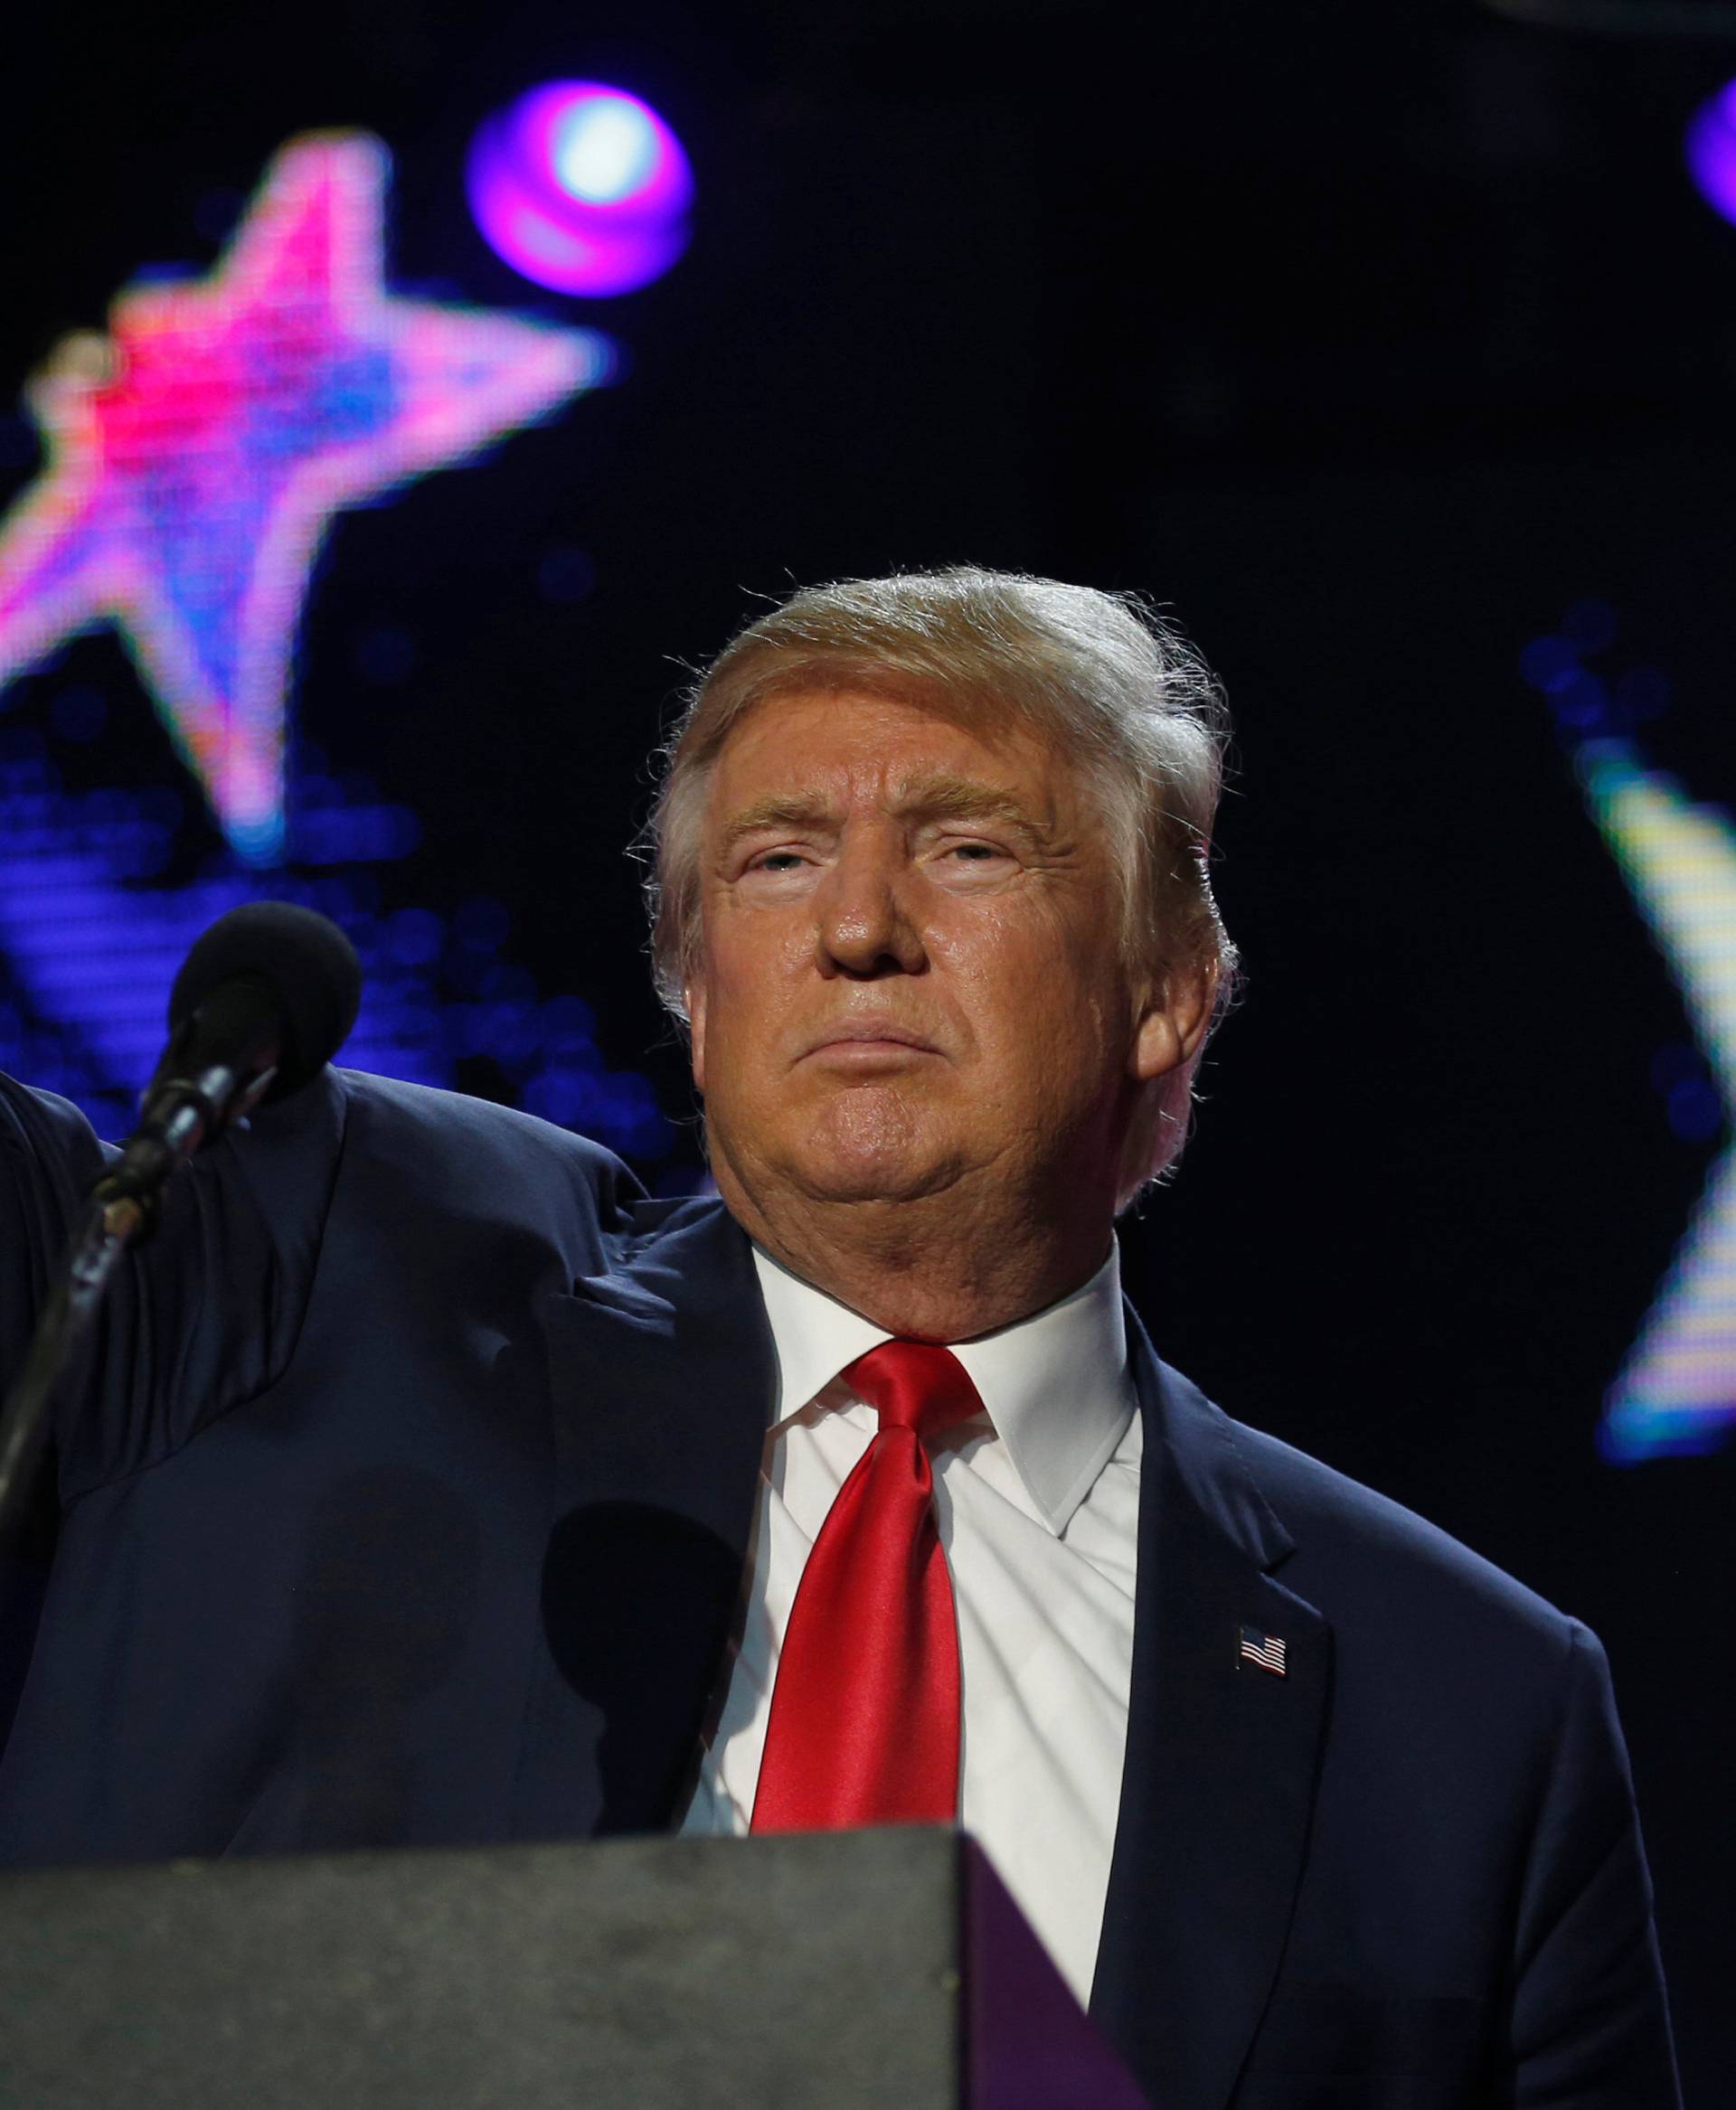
(308, 962)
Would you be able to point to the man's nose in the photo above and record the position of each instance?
(865, 925)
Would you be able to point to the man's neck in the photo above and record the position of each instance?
(925, 1268)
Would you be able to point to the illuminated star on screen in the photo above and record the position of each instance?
(196, 453)
(1677, 1391)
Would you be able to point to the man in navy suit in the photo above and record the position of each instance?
(435, 1487)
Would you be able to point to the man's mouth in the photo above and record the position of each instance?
(862, 1039)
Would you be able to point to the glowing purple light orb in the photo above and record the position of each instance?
(581, 188)
(1711, 150)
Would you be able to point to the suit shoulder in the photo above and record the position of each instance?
(445, 1141)
(43, 1125)
(1355, 1546)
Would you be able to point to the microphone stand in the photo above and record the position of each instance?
(180, 1113)
(64, 1327)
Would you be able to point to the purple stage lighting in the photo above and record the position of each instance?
(581, 188)
(1711, 150)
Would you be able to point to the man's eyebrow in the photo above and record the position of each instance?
(945, 797)
(777, 810)
(941, 798)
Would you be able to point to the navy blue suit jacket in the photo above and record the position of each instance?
(409, 1503)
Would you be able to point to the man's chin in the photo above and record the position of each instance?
(857, 1183)
(863, 1154)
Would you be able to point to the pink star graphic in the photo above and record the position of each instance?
(197, 452)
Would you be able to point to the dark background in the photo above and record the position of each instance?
(1368, 341)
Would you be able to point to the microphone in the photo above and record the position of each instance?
(262, 1003)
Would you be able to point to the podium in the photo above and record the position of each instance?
(847, 1970)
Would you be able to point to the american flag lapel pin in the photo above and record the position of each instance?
(1264, 1650)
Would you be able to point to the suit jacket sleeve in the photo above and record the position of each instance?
(1590, 2029)
(202, 1318)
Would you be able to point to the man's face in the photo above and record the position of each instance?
(910, 975)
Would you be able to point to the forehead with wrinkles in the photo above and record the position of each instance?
(807, 765)
(934, 795)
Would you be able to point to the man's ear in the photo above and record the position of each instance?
(694, 994)
(1175, 1020)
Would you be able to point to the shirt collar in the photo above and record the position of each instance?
(1055, 1385)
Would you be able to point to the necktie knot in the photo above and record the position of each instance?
(914, 1385)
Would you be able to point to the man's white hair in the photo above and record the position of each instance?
(1099, 676)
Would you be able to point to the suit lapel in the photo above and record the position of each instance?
(664, 1376)
(1222, 1759)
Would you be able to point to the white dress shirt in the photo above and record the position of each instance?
(1037, 1501)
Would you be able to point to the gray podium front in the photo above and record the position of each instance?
(843, 1969)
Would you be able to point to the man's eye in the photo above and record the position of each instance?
(976, 853)
(776, 861)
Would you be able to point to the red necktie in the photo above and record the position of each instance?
(865, 1715)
